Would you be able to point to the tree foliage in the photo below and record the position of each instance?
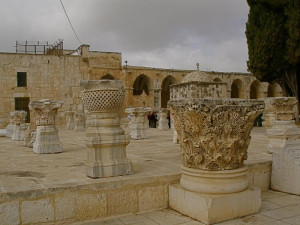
(273, 36)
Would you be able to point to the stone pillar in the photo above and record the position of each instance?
(284, 144)
(79, 121)
(137, 122)
(214, 135)
(47, 140)
(163, 123)
(19, 125)
(124, 124)
(105, 139)
(10, 126)
(69, 120)
(281, 127)
(175, 135)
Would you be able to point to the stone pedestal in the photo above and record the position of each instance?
(105, 139)
(283, 128)
(125, 126)
(284, 144)
(214, 135)
(137, 122)
(19, 126)
(10, 126)
(163, 122)
(79, 121)
(47, 140)
(69, 120)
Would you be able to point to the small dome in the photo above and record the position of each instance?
(197, 76)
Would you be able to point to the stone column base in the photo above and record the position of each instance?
(47, 140)
(18, 132)
(110, 169)
(210, 209)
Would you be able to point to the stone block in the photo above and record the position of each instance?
(91, 206)
(151, 198)
(286, 170)
(122, 202)
(64, 207)
(211, 209)
(9, 213)
(37, 211)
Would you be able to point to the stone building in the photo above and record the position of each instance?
(30, 77)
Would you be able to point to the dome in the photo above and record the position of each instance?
(197, 76)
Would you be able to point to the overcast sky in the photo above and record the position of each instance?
(157, 33)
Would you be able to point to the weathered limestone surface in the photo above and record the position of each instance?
(79, 121)
(10, 126)
(138, 122)
(19, 126)
(105, 139)
(214, 135)
(29, 136)
(124, 124)
(47, 140)
(175, 135)
(284, 144)
(163, 121)
(70, 119)
(283, 127)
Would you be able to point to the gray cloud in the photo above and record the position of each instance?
(159, 33)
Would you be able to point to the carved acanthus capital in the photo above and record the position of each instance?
(102, 95)
(283, 107)
(18, 116)
(45, 111)
(137, 114)
(214, 133)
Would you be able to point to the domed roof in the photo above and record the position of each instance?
(197, 76)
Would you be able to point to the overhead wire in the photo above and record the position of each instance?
(70, 22)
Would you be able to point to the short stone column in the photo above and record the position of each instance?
(69, 120)
(214, 135)
(137, 122)
(47, 140)
(284, 144)
(19, 127)
(283, 128)
(163, 122)
(79, 121)
(175, 135)
(10, 126)
(105, 139)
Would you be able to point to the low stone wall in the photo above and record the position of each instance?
(102, 198)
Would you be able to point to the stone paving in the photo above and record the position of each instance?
(277, 209)
(150, 157)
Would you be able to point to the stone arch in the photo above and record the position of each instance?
(141, 84)
(217, 80)
(274, 90)
(108, 77)
(256, 90)
(237, 89)
(165, 90)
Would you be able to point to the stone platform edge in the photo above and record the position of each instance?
(102, 198)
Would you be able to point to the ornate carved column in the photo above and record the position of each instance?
(79, 121)
(281, 127)
(47, 140)
(163, 123)
(19, 126)
(137, 122)
(175, 135)
(105, 139)
(10, 126)
(214, 135)
(284, 144)
(69, 120)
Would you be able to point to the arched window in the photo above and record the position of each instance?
(165, 90)
(107, 77)
(237, 89)
(141, 83)
(274, 90)
(256, 90)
